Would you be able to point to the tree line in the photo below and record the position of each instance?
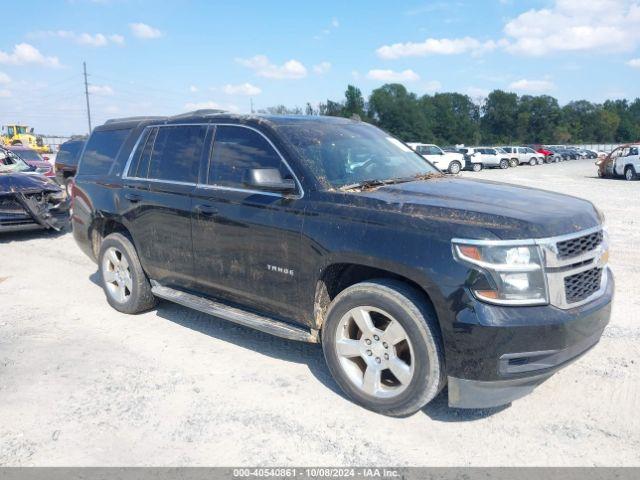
(501, 118)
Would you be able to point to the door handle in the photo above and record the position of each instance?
(206, 210)
(133, 197)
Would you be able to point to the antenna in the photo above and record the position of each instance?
(86, 94)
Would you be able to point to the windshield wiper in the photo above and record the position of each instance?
(367, 184)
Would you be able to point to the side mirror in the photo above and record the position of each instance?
(269, 179)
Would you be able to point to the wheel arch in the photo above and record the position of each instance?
(101, 227)
(339, 275)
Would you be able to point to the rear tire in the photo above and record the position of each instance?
(533, 161)
(630, 173)
(476, 167)
(513, 162)
(504, 164)
(382, 344)
(123, 280)
(455, 167)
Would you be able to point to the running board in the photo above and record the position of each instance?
(248, 319)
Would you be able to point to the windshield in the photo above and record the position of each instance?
(20, 130)
(353, 153)
(29, 155)
(10, 163)
(500, 150)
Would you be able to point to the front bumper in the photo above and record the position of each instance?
(500, 354)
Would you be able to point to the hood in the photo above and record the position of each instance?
(25, 183)
(508, 211)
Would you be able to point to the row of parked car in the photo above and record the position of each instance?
(454, 159)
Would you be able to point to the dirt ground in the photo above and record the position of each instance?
(81, 384)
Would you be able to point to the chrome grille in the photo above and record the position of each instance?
(582, 285)
(579, 245)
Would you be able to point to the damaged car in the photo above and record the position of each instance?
(28, 200)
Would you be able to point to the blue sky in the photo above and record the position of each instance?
(148, 57)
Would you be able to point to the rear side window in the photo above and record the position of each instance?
(69, 153)
(101, 151)
(236, 150)
(139, 167)
(176, 153)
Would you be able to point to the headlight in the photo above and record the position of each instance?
(512, 274)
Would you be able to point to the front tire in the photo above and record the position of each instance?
(504, 164)
(533, 161)
(476, 167)
(455, 167)
(382, 344)
(123, 280)
(513, 162)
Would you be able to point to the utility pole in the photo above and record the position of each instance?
(86, 94)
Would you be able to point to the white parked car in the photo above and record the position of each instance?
(451, 162)
(523, 155)
(493, 157)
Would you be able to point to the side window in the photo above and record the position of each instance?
(176, 153)
(236, 150)
(69, 153)
(139, 167)
(101, 151)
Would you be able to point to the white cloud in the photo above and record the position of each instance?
(101, 90)
(634, 62)
(4, 78)
(291, 69)
(97, 40)
(193, 89)
(335, 23)
(24, 53)
(434, 46)
(90, 39)
(532, 86)
(392, 76)
(117, 39)
(241, 89)
(210, 105)
(142, 30)
(322, 68)
(576, 25)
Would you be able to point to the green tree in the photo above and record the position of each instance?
(499, 117)
(452, 117)
(397, 111)
(354, 102)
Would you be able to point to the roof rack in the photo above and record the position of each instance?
(133, 119)
(198, 113)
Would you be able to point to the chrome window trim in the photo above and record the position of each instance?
(248, 190)
(556, 269)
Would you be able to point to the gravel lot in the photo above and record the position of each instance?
(81, 384)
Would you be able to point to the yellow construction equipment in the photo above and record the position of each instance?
(15, 134)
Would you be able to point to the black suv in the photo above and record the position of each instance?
(330, 230)
(67, 160)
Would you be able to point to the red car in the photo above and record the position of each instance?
(548, 154)
(33, 158)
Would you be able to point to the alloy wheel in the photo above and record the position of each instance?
(374, 352)
(117, 275)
